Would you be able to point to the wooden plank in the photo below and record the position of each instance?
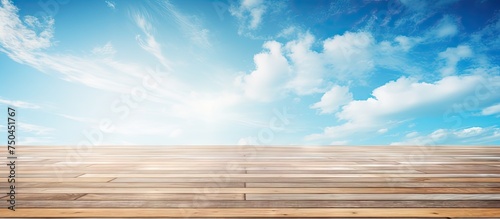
(297, 196)
(252, 212)
(193, 197)
(57, 179)
(20, 197)
(227, 178)
(260, 204)
(138, 175)
(368, 185)
(250, 185)
(68, 174)
(259, 217)
(303, 179)
(133, 185)
(151, 190)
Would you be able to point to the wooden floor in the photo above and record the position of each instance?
(258, 182)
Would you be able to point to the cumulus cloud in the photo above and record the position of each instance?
(307, 65)
(394, 101)
(333, 99)
(297, 68)
(350, 54)
(267, 80)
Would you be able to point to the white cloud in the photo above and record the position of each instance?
(382, 131)
(111, 4)
(35, 129)
(420, 11)
(249, 12)
(106, 50)
(411, 134)
(472, 135)
(267, 80)
(333, 99)
(446, 28)
(297, 68)
(406, 94)
(452, 56)
(190, 25)
(491, 110)
(416, 5)
(287, 31)
(431, 139)
(308, 66)
(116, 76)
(149, 44)
(19, 104)
(469, 132)
(79, 119)
(406, 43)
(16, 35)
(487, 36)
(393, 102)
(26, 44)
(350, 54)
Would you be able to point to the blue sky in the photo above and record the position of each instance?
(252, 72)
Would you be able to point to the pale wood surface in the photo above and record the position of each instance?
(257, 182)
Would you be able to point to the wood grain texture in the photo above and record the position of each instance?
(255, 182)
(254, 212)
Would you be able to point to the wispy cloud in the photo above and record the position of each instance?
(445, 28)
(466, 136)
(452, 57)
(111, 4)
(19, 104)
(19, 36)
(190, 25)
(150, 44)
(106, 50)
(35, 129)
(25, 42)
(249, 12)
(79, 119)
(491, 110)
